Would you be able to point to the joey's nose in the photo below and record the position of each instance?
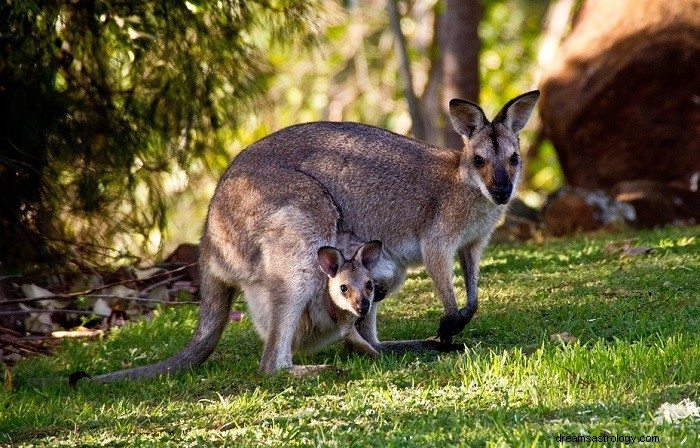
(363, 307)
(501, 193)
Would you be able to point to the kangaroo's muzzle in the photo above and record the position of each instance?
(501, 193)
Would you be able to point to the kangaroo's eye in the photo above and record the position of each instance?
(343, 289)
(514, 159)
(478, 161)
(369, 286)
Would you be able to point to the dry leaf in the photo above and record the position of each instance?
(626, 249)
(121, 292)
(51, 304)
(7, 378)
(86, 283)
(141, 274)
(36, 322)
(634, 251)
(102, 308)
(159, 294)
(674, 412)
(564, 338)
(32, 291)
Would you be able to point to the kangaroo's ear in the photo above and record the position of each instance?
(467, 117)
(368, 254)
(517, 111)
(330, 259)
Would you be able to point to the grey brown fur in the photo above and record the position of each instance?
(289, 194)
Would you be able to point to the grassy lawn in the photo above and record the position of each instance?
(636, 320)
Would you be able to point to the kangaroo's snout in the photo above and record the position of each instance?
(363, 307)
(501, 193)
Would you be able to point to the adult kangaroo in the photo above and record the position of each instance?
(285, 196)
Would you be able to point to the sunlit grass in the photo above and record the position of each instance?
(636, 321)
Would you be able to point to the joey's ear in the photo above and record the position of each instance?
(517, 111)
(467, 117)
(330, 259)
(368, 254)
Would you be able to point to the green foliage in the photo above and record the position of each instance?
(116, 111)
(106, 103)
(509, 33)
(636, 320)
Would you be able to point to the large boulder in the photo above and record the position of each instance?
(621, 102)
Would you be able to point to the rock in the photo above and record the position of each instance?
(575, 209)
(656, 203)
(622, 99)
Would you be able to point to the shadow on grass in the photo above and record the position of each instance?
(593, 305)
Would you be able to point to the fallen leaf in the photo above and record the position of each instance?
(38, 322)
(159, 294)
(142, 274)
(7, 378)
(32, 291)
(102, 308)
(626, 249)
(564, 338)
(674, 412)
(122, 292)
(86, 283)
(634, 251)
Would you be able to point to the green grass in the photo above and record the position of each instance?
(637, 320)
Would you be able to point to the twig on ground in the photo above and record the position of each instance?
(99, 288)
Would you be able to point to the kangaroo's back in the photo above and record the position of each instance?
(368, 171)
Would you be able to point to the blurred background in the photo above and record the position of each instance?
(117, 117)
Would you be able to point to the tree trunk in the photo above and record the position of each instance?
(458, 68)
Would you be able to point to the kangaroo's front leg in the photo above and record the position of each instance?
(439, 267)
(469, 258)
(359, 343)
(367, 327)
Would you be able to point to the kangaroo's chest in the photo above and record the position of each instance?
(480, 223)
(317, 329)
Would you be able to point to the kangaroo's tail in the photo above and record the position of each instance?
(214, 311)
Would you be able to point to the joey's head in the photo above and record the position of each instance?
(491, 157)
(350, 283)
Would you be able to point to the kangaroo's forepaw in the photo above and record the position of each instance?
(450, 325)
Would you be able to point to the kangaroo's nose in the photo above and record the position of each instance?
(363, 307)
(501, 193)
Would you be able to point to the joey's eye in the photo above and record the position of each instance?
(478, 161)
(343, 288)
(369, 286)
(514, 159)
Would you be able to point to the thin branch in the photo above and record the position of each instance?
(24, 347)
(66, 311)
(150, 288)
(99, 288)
(139, 299)
(405, 66)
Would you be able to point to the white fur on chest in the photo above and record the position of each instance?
(317, 329)
(482, 220)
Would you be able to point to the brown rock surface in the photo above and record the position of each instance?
(622, 99)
